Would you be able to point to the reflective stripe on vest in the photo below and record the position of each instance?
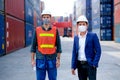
(46, 34)
(46, 46)
(46, 40)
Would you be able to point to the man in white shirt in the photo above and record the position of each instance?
(86, 51)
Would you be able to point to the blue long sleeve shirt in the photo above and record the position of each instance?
(39, 55)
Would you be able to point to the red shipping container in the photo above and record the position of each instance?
(15, 35)
(15, 8)
(117, 14)
(116, 2)
(61, 31)
(63, 24)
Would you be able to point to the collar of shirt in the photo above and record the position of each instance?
(48, 28)
(82, 36)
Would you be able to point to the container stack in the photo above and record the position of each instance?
(29, 21)
(2, 28)
(17, 23)
(106, 19)
(14, 20)
(117, 20)
(96, 17)
(89, 14)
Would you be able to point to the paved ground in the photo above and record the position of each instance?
(16, 65)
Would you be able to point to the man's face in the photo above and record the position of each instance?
(46, 19)
(82, 26)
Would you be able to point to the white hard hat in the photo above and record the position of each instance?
(45, 12)
(82, 18)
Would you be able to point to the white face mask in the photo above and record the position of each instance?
(82, 28)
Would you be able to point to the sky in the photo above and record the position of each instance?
(59, 7)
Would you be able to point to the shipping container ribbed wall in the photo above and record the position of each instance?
(2, 34)
(106, 19)
(89, 14)
(29, 29)
(1, 5)
(29, 12)
(15, 35)
(15, 8)
(96, 17)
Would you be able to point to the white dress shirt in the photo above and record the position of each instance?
(81, 52)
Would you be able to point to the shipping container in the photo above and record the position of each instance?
(15, 8)
(29, 12)
(1, 5)
(117, 14)
(106, 19)
(2, 34)
(117, 32)
(61, 31)
(15, 35)
(29, 29)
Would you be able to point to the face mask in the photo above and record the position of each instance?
(82, 28)
(46, 21)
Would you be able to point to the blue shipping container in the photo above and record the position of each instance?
(29, 29)
(2, 36)
(2, 5)
(29, 16)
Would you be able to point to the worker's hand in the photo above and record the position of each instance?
(33, 63)
(58, 63)
(73, 72)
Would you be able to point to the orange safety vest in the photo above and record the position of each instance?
(46, 40)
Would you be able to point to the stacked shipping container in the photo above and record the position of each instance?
(96, 17)
(29, 21)
(14, 19)
(117, 20)
(89, 14)
(17, 24)
(106, 19)
(2, 34)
